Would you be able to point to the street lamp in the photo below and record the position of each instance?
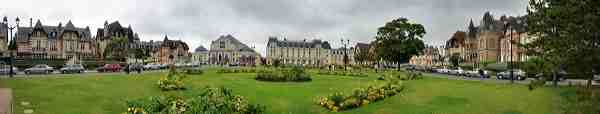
(13, 47)
(345, 53)
(508, 27)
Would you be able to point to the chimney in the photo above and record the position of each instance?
(30, 22)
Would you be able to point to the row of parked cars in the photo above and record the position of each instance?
(78, 68)
(505, 75)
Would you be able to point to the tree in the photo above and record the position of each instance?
(117, 49)
(399, 40)
(455, 59)
(140, 53)
(567, 35)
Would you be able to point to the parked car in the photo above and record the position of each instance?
(5, 69)
(39, 69)
(109, 68)
(458, 72)
(442, 70)
(152, 66)
(518, 75)
(135, 67)
(475, 74)
(72, 68)
(163, 66)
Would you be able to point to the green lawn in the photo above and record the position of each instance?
(106, 94)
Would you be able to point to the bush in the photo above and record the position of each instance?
(194, 71)
(172, 81)
(411, 75)
(210, 101)
(360, 96)
(295, 74)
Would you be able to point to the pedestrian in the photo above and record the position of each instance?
(127, 68)
(481, 74)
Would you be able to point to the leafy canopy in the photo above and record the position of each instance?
(398, 40)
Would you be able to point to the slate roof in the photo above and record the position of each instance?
(240, 46)
(54, 32)
(174, 43)
(273, 41)
(200, 49)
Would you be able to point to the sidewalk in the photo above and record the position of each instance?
(5, 101)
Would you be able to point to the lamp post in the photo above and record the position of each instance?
(508, 27)
(12, 46)
(345, 58)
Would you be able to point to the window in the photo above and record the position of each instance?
(221, 44)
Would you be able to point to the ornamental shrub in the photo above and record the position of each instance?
(295, 74)
(172, 81)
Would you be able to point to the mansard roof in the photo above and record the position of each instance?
(298, 43)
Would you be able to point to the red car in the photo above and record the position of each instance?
(109, 68)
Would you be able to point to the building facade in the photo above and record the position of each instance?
(4, 32)
(55, 42)
(112, 31)
(227, 50)
(200, 55)
(311, 53)
(338, 56)
(515, 36)
(429, 57)
(173, 52)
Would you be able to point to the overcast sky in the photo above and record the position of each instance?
(198, 22)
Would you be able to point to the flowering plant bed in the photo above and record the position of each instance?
(360, 96)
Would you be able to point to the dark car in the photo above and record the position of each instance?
(39, 69)
(5, 69)
(134, 68)
(72, 68)
(109, 68)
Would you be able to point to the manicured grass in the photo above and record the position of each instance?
(106, 93)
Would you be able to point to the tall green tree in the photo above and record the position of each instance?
(567, 33)
(117, 49)
(455, 59)
(362, 55)
(399, 40)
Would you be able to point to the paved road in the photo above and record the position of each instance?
(527, 81)
(86, 73)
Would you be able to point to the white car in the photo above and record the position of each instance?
(152, 66)
(458, 71)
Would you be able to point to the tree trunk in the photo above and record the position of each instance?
(554, 79)
(589, 81)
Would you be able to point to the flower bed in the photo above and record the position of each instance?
(295, 74)
(360, 96)
(210, 101)
(172, 81)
